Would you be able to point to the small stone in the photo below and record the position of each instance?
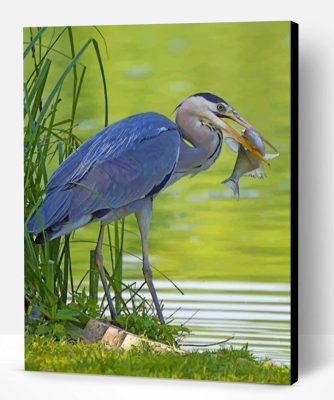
(113, 337)
(130, 341)
(160, 347)
(94, 330)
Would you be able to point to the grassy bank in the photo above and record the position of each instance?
(44, 354)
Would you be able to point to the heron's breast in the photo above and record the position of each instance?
(211, 159)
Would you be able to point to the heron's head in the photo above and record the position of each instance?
(215, 111)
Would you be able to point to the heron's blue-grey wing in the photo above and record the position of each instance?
(128, 160)
(61, 175)
(138, 172)
(109, 142)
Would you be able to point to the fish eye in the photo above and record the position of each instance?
(221, 107)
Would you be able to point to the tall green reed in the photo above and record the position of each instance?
(48, 137)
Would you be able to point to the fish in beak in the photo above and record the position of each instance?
(240, 137)
(248, 163)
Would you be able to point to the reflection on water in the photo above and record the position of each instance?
(255, 313)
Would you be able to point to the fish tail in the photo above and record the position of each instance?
(233, 185)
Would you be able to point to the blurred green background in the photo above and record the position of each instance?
(199, 230)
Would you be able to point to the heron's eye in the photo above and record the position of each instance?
(221, 107)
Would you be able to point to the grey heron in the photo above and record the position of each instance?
(123, 167)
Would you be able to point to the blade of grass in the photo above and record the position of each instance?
(64, 287)
(93, 278)
(33, 41)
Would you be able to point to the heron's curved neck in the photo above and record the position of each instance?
(204, 139)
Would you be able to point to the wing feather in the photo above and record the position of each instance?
(124, 162)
(116, 182)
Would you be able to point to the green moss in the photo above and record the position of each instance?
(227, 364)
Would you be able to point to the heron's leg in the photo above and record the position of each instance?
(144, 220)
(99, 264)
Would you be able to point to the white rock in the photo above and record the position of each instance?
(113, 337)
(131, 340)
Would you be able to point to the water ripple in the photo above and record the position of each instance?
(253, 313)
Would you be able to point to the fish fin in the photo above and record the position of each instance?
(232, 144)
(256, 173)
(270, 156)
(233, 185)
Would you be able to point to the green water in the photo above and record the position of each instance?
(199, 230)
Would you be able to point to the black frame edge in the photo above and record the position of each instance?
(294, 199)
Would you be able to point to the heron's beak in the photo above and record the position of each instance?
(232, 132)
(233, 115)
